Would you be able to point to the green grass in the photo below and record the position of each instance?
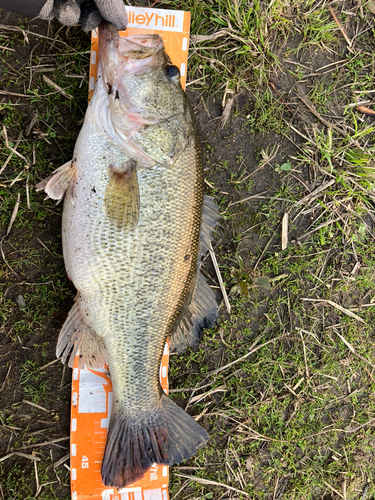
(294, 419)
(296, 416)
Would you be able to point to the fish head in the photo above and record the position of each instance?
(140, 80)
(138, 102)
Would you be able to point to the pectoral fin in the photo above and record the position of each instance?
(57, 183)
(122, 202)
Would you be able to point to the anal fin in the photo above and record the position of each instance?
(122, 202)
(201, 312)
(77, 334)
(57, 183)
(201, 309)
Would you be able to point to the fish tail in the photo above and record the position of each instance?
(167, 435)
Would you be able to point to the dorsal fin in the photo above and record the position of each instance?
(201, 309)
(210, 219)
(201, 312)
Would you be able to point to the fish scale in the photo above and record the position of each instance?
(125, 270)
(149, 281)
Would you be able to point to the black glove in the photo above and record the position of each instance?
(88, 13)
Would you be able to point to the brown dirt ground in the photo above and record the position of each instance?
(25, 426)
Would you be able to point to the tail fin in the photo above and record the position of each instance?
(166, 436)
(186, 436)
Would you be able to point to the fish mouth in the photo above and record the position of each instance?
(132, 47)
(140, 46)
(136, 54)
(146, 44)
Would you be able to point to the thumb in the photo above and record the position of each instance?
(114, 12)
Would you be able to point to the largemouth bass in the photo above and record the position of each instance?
(135, 225)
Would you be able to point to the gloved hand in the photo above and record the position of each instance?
(88, 13)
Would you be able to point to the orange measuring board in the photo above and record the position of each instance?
(91, 401)
(90, 415)
(172, 25)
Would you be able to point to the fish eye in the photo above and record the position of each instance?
(172, 71)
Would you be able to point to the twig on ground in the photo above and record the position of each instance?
(57, 87)
(5, 457)
(33, 121)
(14, 151)
(266, 161)
(314, 194)
(261, 437)
(337, 306)
(27, 192)
(11, 154)
(333, 489)
(358, 103)
(62, 377)
(255, 435)
(198, 417)
(13, 94)
(304, 355)
(306, 101)
(31, 33)
(35, 405)
(366, 111)
(284, 231)
(14, 214)
(46, 248)
(351, 348)
(38, 487)
(5, 136)
(209, 185)
(348, 41)
(246, 199)
(218, 274)
(49, 364)
(252, 350)
(40, 431)
(284, 484)
(324, 224)
(16, 179)
(265, 248)
(205, 38)
(189, 389)
(62, 460)
(45, 443)
(199, 397)
(6, 262)
(19, 454)
(328, 376)
(364, 494)
(214, 483)
(6, 378)
(181, 489)
(226, 112)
